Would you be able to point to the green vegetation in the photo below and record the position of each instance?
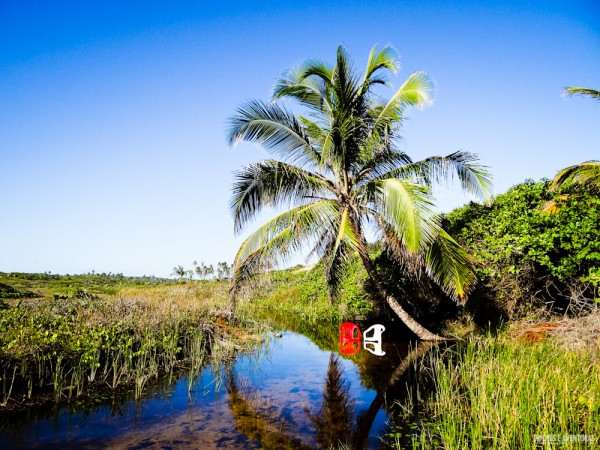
(68, 286)
(302, 292)
(534, 270)
(502, 393)
(586, 92)
(7, 291)
(89, 333)
(339, 167)
(74, 342)
(528, 261)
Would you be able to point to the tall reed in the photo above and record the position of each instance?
(503, 394)
(64, 347)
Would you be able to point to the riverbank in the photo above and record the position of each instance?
(63, 338)
(73, 338)
(534, 385)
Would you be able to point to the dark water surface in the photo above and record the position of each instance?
(289, 393)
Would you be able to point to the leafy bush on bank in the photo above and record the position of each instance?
(526, 259)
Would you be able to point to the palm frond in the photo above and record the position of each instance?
(448, 265)
(411, 263)
(380, 163)
(384, 58)
(586, 173)
(281, 237)
(309, 84)
(415, 91)
(274, 128)
(322, 136)
(272, 183)
(344, 84)
(406, 206)
(571, 91)
(474, 178)
(318, 69)
(443, 259)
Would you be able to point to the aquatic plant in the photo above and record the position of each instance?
(65, 348)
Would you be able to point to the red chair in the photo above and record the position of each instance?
(349, 332)
(349, 347)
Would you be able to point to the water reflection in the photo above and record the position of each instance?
(259, 419)
(291, 394)
(335, 419)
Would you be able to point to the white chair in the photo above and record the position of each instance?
(372, 339)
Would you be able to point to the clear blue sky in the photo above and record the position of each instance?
(112, 114)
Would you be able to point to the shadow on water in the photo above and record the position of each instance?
(294, 392)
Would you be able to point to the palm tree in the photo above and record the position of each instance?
(223, 270)
(586, 174)
(179, 271)
(340, 170)
(200, 270)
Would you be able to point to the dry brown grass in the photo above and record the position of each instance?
(192, 298)
(581, 333)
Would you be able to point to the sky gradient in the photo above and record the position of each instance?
(112, 114)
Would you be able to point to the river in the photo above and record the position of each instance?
(293, 391)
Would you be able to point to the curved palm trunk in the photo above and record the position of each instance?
(414, 326)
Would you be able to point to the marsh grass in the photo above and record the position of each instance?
(501, 393)
(302, 292)
(64, 348)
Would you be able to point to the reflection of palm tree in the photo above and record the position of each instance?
(339, 169)
(335, 417)
(365, 421)
(333, 421)
(257, 422)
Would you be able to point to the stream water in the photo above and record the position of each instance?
(291, 392)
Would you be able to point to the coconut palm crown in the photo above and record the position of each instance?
(339, 169)
(586, 174)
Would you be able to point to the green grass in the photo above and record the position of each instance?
(303, 293)
(66, 346)
(62, 337)
(491, 393)
(64, 286)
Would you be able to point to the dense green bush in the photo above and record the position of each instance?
(528, 258)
